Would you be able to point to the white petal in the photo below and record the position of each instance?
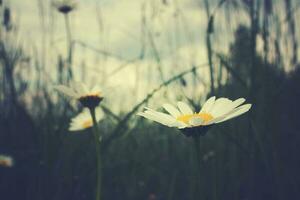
(76, 122)
(184, 108)
(84, 114)
(99, 114)
(220, 107)
(237, 112)
(161, 114)
(164, 117)
(208, 105)
(215, 120)
(66, 90)
(196, 121)
(154, 118)
(227, 107)
(80, 88)
(76, 128)
(180, 125)
(172, 110)
(238, 102)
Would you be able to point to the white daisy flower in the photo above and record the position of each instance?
(84, 120)
(213, 111)
(65, 6)
(6, 161)
(88, 97)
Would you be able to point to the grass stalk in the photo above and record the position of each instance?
(196, 140)
(69, 46)
(98, 158)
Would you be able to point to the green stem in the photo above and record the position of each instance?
(68, 29)
(197, 148)
(69, 46)
(98, 159)
(198, 160)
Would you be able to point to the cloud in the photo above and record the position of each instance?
(177, 33)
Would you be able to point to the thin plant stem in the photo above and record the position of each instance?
(68, 29)
(98, 158)
(209, 31)
(198, 165)
(69, 46)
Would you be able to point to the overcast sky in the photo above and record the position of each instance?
(177, 27)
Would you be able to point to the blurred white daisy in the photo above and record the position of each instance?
(213, 111)
(84, 120)
(65, 6)
(89, 98)
(6, 161)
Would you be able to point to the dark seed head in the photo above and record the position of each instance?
(65, 9)
(90, 101)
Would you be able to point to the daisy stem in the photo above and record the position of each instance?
(69, 45)
(198, 161)
(98, 159)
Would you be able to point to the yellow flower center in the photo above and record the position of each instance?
(204, 116)
(97, 94)
(94, 95)
(87, 123)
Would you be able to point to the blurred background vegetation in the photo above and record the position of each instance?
(246, 48)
